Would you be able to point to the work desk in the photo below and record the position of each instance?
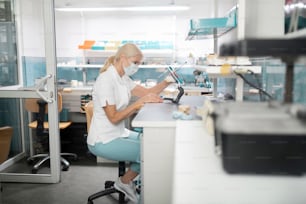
(76, 97)
(179, 165)
(160, 114)
(157, 147)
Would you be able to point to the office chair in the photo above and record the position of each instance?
(41, 126)
(108, 185)
(6, 134)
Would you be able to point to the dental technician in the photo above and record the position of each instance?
(108, 137)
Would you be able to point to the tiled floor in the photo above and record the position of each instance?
(75, 187)
(84, 177)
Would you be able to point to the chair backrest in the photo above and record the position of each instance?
(32, 106)
(6, 134)
(89, 113)
(39, 106)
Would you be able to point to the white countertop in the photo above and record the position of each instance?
(170, 88)
(199, 176)
(160, 114)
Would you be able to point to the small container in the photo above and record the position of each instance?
(74, 83)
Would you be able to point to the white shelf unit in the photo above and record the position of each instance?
(165, 54)
(88, 66)
(210, 69)
(148, 53)
(83, 67)
(215, 72)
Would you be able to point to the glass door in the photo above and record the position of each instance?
(28, 58)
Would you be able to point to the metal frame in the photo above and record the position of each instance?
(16, 92)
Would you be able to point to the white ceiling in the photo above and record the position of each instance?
(96, 3)
(198, 8)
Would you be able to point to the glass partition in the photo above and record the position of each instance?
(9, 108)
(10, 116)
(32, 23)
(8, 50)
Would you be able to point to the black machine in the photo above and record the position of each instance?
(269, 137)
(261, 137)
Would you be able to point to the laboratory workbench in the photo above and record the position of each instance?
(157, 147)
(72, 95)
(179, 164)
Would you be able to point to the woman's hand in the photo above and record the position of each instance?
(149, 98)
(116, 116)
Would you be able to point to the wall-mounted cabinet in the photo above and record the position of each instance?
(246, 19)
(295, 18)
(212, 27)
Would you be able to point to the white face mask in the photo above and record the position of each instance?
(132, 69)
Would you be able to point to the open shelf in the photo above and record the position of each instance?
(297, 34)
(113, 45)
(140, 66)
(208, 27)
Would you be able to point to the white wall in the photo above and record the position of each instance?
(31, 30)
(73, 28)
(265, 20)
(261, 19)
(256, 19)
(224, 6)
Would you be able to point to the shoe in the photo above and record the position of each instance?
(128, 189)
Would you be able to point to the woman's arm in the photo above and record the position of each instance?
(141, 91)
(116, 116)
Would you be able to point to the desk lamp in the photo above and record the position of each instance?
(179, 83)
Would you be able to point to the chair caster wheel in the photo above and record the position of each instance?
(65, 168)
(89, 202)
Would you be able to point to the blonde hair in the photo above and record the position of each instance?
(128, 49)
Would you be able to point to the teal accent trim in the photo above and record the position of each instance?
(97, 48)
(142, 44)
